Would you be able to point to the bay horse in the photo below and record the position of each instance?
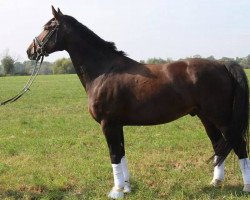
(122, 92)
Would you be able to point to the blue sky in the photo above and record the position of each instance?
(142, 28)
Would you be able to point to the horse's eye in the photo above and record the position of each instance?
(46, 27)
(53, 24)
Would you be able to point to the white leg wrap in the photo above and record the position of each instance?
(245, 169)
(117, 191)
(125, 168)
(219, 173)
(126, 175)
(118, 176)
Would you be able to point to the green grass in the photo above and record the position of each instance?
(50, 148)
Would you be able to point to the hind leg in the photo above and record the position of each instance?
(221, 146)
(216, 138)
(241, 151)
(245, 170)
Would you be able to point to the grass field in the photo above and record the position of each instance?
(50, 148)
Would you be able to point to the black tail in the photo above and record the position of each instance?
(238, 130)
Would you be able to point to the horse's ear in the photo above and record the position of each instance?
(56, 14)
(59, 11)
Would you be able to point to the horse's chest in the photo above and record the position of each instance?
(105, 101)
(95, 109)
(99, 109)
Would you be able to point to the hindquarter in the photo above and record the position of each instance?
(213, 91)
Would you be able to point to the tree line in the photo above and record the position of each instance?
(10, 66)
(243, 61)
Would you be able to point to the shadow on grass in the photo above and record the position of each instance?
(56, 194)
(234, 191)
(134, 186)
(207, 192)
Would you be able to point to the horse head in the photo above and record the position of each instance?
(50, 39)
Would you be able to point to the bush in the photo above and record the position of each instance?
(63, 66)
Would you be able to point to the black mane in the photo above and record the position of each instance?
(91, 36)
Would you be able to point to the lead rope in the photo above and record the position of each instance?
(28, 84)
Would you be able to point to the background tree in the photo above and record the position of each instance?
(197, 56)
(46, 68)
(244, 62)
(226, 59)
(8, 65)
(19, 68)
(63, 66)
(1, 70)
(28, 66)
(210, 58)
(239, 60)
(248, 61)
(156, 61)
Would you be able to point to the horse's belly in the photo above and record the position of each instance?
(153, 118)
(157, 113)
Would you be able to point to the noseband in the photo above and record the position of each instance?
(40, 51)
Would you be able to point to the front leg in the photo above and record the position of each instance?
(127, 187)
(115, 143)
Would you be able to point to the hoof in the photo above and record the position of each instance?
(246, 188)
(127, 187)
(216, 183)
(116, 193)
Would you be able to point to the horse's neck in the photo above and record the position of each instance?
(89, 63)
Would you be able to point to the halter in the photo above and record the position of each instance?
(41, 44)
(40, 54)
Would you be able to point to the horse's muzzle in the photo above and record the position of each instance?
(32, 55)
